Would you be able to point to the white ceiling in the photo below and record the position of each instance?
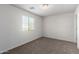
(52, 8)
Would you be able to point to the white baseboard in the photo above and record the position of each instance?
(60, 39)
(1, 52)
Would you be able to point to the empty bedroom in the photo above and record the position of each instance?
(39, 28)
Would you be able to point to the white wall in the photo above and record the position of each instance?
(60, 27)
(11, 34)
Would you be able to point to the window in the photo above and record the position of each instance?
(28, 23)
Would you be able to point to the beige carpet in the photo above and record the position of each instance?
(46, 46)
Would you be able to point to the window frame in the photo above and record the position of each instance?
(29, 25)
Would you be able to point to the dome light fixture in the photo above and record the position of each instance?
(44, 6)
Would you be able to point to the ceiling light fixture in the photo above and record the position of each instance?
(44, 6)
